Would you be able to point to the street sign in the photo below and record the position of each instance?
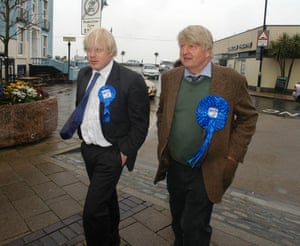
(69, 39)
(263, 38)
(90, 15)
(87, 25)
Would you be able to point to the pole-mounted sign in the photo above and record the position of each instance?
(90, 15)
(69, 39)
(263, 38)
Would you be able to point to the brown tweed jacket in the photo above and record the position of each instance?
(232, 140)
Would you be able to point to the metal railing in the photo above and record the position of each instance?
(61, 65)
(7, 69)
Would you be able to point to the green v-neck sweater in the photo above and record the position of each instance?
(186, 133)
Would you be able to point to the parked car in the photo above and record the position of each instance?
(133, 63)
(151, 71)
(296, 92)
(151, 88)
(165, 66)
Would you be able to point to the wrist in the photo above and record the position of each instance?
(231, 159)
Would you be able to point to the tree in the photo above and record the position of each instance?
(13, 12)
(285, 50)
(156, 55)
(122, 54)
(16, 16)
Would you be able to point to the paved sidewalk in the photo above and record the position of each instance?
(287, 97)
(41, 202)
(43, 187)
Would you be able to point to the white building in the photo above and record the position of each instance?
(240, 52)
(31, 31)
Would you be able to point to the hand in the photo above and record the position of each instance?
(231, 159)
(123, 158)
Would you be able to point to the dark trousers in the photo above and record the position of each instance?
(101, 215)
(189, 204)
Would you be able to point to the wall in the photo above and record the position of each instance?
(27, 122)
(30, 47)
(245, 43)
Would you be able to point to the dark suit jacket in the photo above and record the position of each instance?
(232, 140)
(129, 111)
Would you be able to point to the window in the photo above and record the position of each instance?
(45, 15)
(21, 41)
(21, 11)
(1, 48)
(45, 46)
(243, 67)
(34, 11)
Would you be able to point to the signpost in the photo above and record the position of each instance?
(90, 15)
(263, 38)
(262, 41)
(69, 40)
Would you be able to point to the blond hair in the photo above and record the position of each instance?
(97, 35)
(196, 34)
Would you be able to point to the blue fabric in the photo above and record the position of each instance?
(106, 94)
(76, 117)
(211, 114)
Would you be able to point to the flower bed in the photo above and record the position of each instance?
(19, 92)
(29, 122)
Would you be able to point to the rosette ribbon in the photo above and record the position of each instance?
(211, 114)
(107, 94)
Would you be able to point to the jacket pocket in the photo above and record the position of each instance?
(228, 173)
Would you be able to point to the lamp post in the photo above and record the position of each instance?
(69, 40)
(261, 53)
(103, 4)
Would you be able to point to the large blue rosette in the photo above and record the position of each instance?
(211, 114)
(107, 94)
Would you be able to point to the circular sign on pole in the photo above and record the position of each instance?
(91, 7)
(90, 15)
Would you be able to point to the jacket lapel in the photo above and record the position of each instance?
(113, 78)
(84, 82)
(173, 84)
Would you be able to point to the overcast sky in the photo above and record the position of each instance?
(143, 27)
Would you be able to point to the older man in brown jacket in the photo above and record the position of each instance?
(194, 190)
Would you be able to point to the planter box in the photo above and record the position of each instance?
(27, 122)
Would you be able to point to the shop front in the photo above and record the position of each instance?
(243, 53)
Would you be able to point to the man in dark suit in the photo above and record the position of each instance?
(114, 126)
(199, 167)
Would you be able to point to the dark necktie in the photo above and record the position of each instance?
(195, 78)
(76, 117)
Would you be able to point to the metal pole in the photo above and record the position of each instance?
(101, 7)
(262, 50)
(69, 49)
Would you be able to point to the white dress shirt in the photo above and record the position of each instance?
(91, 126)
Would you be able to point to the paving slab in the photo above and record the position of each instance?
(43, 186)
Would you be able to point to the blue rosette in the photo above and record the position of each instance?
(211, 114)
(106, 94)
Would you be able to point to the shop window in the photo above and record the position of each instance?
(243, 67)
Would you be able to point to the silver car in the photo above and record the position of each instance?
(296, 92)
(151, 71)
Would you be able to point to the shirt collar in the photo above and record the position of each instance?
(206, 71)
(106, 70)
